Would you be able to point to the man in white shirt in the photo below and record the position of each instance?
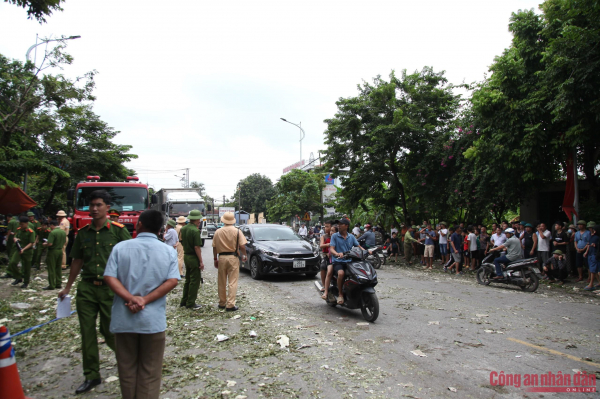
(393, 230)
(443, 240)
(356, 230)
(543, 245)
(302, 231)
(171, 238)
(498, 238)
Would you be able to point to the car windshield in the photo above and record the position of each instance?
(124, 198)
(270, 233)
(185, 208)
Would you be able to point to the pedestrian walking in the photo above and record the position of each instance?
(192, 257)
(227, 243)
(180, 224)
(55, 241)
(91, 249)
(141, 272)
(64, 224)
(23, 252)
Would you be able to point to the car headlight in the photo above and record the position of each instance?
(269, 253)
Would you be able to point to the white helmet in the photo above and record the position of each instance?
(510, 230)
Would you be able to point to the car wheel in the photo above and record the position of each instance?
(255, 268)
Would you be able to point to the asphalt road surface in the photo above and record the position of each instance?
(436, 336)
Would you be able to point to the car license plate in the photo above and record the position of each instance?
(299, 264)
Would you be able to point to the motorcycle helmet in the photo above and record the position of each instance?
(510, 230)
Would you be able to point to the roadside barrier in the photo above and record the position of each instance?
(10, 382)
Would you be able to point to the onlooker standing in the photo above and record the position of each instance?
(393, 230)
(529, 241)
(443, 240)
(141, 273)
(556, 267)
(582, 240)
(302, 231)
(64, 224)
(474, 252)
(431, 237)
(408, 241)
(592, 256)
(543, 248)
(171, 236)
(456, 243)
(571, 250)
(484, 242)
(560, 240)
(498, 239)
(180, 224)
(228, 240)
(394, 246)
(324, 243)
(56, 240)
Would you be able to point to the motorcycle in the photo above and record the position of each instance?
(522, 273)
(358, 289)
(376, 256)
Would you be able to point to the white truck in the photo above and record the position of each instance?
(176, 202)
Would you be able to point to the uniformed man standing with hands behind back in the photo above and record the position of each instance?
(192, 257)
(90, 252)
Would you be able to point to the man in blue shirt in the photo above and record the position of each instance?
(428, 253)
(369, 237)
(141, 272)
(456, 245)
(592, 256)
(340, 242)
(582, 240)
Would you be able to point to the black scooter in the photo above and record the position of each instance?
(522, 273)
(358, 289)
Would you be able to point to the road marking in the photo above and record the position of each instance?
(575, 358)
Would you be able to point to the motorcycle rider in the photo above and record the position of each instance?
(512, 245)
(340, 242)
(368, 236)
(325, 257)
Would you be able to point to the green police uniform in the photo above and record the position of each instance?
(25, 237)
(93, 296)
(13, 225)
(190, 238)
(41, 233)
(57, 238)
(34, 225)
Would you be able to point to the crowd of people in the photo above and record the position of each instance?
(562, 251)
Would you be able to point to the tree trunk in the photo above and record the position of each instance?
(52, 194)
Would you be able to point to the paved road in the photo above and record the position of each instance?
(463, 330)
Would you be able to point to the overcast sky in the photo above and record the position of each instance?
(202, 85)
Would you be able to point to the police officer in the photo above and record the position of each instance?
(113, 214)
(33, 223)
(64, 224)
(41, 233)
(192, 257)
(24, 238)
(90, 252)
(11, 228)
(180, 224)
(55, 241)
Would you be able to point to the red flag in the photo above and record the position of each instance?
(569, 199)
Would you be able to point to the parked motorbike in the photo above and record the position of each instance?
(522, 273)
(376, 256)
(358, 289)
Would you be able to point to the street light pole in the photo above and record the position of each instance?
(302, 135)
(48, 41)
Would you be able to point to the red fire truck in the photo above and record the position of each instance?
(130, 197)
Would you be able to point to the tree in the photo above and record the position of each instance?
(256, 190)
(375, 139)
(198, 186)
(296, 193)
(38, 9)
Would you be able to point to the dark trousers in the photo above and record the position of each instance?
(140, 360)
(192, 280)
(557, 274)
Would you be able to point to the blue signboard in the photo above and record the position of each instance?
(329, 179)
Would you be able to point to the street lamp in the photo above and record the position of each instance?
(302, 135)
(48, 41)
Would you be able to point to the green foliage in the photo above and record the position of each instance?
(38, 9)
(256, 190)
(49, 131)
(296, 193)
(376, 138)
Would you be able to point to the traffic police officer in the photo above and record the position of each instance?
(55, 242)
(113, 214)
(90, 252)
(25, 238)
(192, 257)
